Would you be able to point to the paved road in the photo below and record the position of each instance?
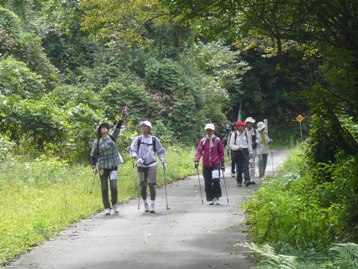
(190, 235)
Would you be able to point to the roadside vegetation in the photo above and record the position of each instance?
(297, 222)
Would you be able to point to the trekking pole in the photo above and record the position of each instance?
(140, 180)
(227, 196)
(273, 172)
(94, 177)
(165, 187)
(201, 194)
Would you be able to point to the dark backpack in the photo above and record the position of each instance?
(154, 140)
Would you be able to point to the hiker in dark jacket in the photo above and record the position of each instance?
(105, 159)
(143, 149)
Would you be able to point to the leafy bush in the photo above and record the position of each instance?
(17, 79)
(291, 209)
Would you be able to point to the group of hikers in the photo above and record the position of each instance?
(244, 144)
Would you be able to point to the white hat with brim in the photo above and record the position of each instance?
(261, 126)
(209, 126)
(146, 123)
(250, 119)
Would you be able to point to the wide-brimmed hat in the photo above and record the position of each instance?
(209, 126)
(105, 124)
(261, 126)
(240, 123)
(146, 123)
(250, 119)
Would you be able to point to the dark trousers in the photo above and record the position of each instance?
(212, 183)
(233, 162)
(242, 165)
(104, 187)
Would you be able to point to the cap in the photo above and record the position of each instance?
(146, 123)
(209, 126)
(240, 123)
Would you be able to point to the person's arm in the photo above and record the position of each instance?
(94, 156)
(232, 143)
(117, 127)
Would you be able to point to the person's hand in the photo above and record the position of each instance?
(196, 164)
(134, 155)
(124, 113)
(94, 170)
(222, 166)
(139, 162)
(164, 165)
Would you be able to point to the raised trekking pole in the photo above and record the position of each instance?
(165, 187)
(201, 194)
(227, 196)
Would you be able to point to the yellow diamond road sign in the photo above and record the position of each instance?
(299, 118)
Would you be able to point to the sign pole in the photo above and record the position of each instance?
(300, 119)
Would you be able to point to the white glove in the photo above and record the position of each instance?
(164, 165)
(139, 162)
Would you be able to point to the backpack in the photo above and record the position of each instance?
(154, 140)
(216, 140)
(236, 137)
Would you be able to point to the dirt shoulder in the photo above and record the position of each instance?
(189, 235)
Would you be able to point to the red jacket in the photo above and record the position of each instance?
(211, 156)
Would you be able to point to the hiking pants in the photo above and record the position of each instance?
(233, 162)
(262, 164)
(212, 182)
(147, 177)
(105, 177)
(242, 165)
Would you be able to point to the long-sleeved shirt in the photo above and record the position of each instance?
(242, 142)
(145, 151)
(212, 150)
(105, 151)
(262, 146)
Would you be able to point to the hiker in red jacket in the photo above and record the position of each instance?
(212, 150)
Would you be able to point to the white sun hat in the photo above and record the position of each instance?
(250, 119)
(261, 126)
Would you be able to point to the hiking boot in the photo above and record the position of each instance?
(211, 202)
(107, 211)
(216, 201)
(239, 184)
(247, 183)
(233, 175)
(152, 208)
(116, 208)
(146, 206)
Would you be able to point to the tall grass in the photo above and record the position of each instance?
(40, 198)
